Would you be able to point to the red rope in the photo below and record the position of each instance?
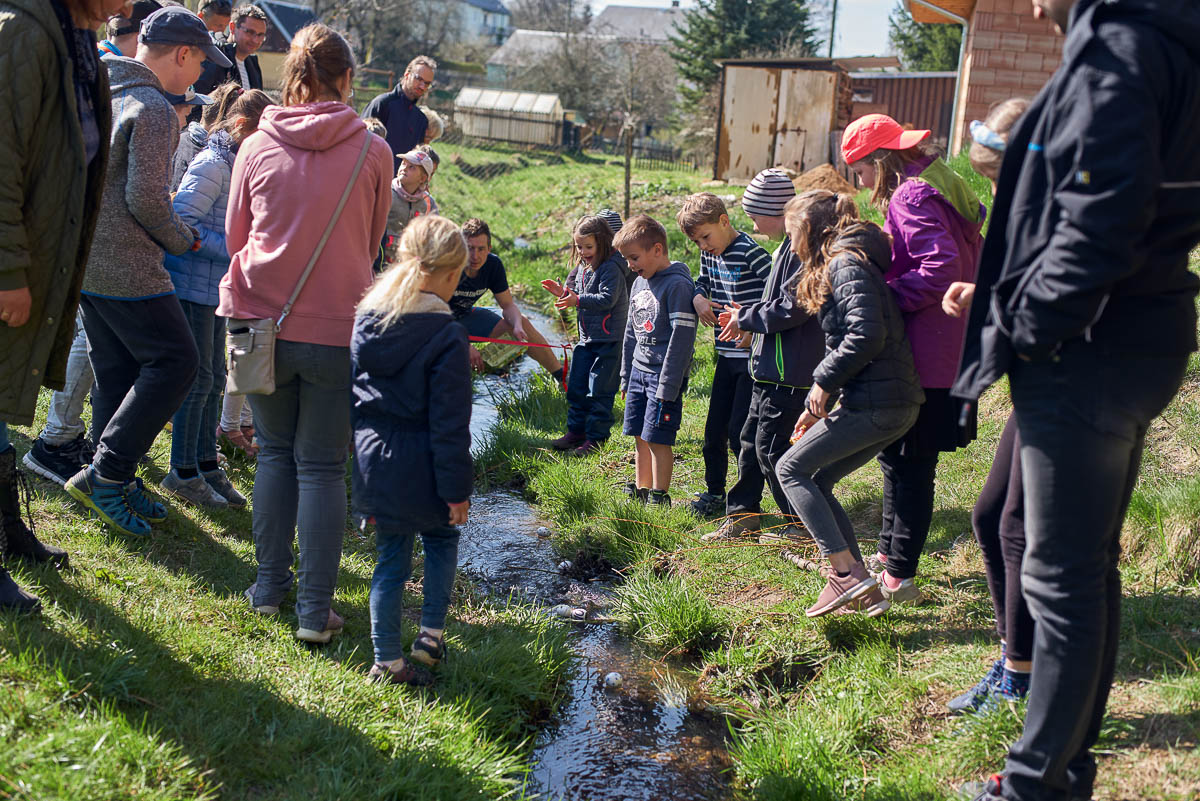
(565, 349)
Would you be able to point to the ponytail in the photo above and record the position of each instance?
(316, 61)
(816, 222)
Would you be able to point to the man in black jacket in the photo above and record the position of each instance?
(248, 31)
(1086, 301)
(398, 110)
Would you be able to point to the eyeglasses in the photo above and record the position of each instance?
(252, 34)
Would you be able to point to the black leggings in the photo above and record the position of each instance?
(727, 409)
(999, 523)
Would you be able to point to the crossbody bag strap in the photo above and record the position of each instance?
(312, 262)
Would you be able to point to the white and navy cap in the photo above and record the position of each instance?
(612, 219)
(768, 193)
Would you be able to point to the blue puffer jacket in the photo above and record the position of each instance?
(200, 202)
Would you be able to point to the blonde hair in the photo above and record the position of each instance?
(1000, 120)
(316, 61)
(700, 209)
(428, 246)
(436, 126)
(376, 126)
(642, 231)
(815, 221)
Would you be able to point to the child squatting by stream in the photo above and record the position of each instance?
(412, 439)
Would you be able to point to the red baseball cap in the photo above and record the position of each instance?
(869, 133)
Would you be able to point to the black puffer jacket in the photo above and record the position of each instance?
(867, 356)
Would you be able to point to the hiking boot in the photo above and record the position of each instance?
(588, 447)
(841, 590)
(788, 535)
(568, 441)
(428, 650)
(142, 502)
(108, 501)
(658, 498)
(15, 599)
(58, 462)
(195, 490)
(221, 485)
(708, 504)
(400, 672)
(333, 625)
(19, 538)
(905, 590)
(635, 493)
(734, 528)
(972, 698)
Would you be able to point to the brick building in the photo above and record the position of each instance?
(1008, 53)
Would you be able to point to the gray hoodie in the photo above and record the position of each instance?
(661, 335)
(137, 222)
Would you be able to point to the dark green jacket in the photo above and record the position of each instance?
(48, 199)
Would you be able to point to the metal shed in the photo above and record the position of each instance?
(778, 113)
(520, 117)
(920, 99)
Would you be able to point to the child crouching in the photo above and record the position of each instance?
(596, 287)
(412, 439)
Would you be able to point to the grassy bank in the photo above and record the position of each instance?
(849, 708)
(147, 676)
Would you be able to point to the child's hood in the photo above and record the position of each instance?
(873, 243)
(675, 271)
(389, 350)
(311, 126)
(126, 73)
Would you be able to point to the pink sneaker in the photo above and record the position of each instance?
(841, 590)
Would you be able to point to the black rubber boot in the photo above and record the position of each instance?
(19, 540)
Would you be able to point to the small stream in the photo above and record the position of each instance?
(651, 737)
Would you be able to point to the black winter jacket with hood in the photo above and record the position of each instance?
(867, 355)
(412, 416)
(1098, 200)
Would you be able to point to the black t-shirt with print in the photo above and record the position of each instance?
(491, 276)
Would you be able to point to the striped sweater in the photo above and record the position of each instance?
(739, 274)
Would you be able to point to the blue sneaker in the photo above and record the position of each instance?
(974, 697)
(106, 500)
(142, 503)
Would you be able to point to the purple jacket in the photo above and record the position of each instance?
(933, 245)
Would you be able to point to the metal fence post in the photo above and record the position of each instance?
(628, 164)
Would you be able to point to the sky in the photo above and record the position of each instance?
(861, 24)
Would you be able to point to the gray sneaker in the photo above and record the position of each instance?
(224, 487)
(734, 529)
(194, 490)
(783, 536)
(907, 592)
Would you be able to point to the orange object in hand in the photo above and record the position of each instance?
(796, 437)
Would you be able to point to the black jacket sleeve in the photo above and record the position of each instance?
(780, 312)
(857, 306)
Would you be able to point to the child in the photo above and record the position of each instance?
(410, 194)
(733, 269)
(412, 438)
(868, 363)
(141, 347)
(599, 292)
(194, 136)
(787, 344)
(660, 338)
(434, 128)
(195, 475)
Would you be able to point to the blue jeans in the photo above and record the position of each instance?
(144, 358)
(300, 483)
(1083, 419)
(394, 568)
(194, 430)
(592, 385)
(64, 420)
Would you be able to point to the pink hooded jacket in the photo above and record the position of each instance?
(287, 180)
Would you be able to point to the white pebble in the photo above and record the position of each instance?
(565, 565)
(562, 610)
(612, 681)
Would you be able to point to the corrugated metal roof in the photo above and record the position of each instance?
(478, 99)
(289, 18)
(862, 76)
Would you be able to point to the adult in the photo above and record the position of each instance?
(934, 221)
(123, 31)
(215, 14)
(485, 272)
(247, 32)
(1085, 299)
(56, 141)
(398, 110)
(273, 224)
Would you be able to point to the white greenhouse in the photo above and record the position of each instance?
(519, 117)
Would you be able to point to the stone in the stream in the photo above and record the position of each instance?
(565, 565)
(543, 531)
(613, 681)
(561, 610)
(579, 615)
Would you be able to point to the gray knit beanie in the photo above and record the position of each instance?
(768, 193)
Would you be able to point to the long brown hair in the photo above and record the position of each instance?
(243, 114)
(316, 61)
(890, 166)
(815, 221)
(596, 227)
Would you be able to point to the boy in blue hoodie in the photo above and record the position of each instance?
(660, 338)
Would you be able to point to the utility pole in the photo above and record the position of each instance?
(832, 27)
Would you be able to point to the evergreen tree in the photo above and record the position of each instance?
(921, 46)
(717, 29)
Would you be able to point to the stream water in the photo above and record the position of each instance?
(651, 737)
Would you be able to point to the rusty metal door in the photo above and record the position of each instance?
(803, 118)
(747, 134)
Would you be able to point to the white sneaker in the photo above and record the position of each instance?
(194, 490)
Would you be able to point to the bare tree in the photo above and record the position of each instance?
(551, 15)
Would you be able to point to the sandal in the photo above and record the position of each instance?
(428, 650)
(404, 674)
(237, 438)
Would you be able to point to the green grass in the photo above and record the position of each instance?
(147, 676)
(850, 708)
